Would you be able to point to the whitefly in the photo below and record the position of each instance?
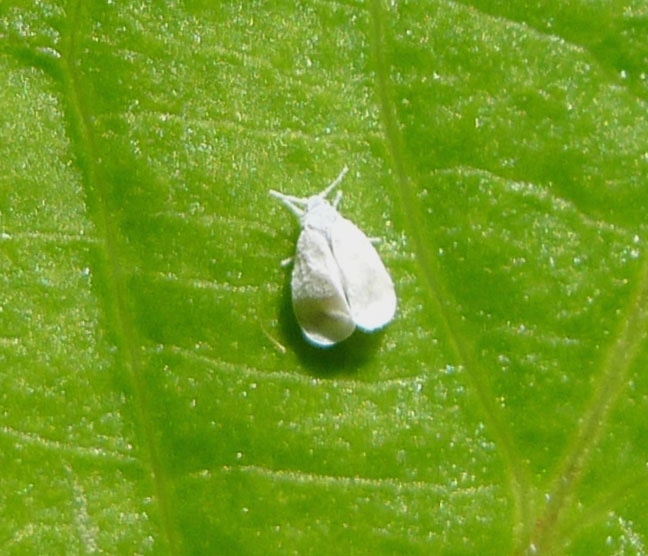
(338, 280)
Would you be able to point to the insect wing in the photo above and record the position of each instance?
(368, 287)
(318, 296)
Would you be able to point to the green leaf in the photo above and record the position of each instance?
(157, 396)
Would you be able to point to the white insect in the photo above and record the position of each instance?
(338, 280)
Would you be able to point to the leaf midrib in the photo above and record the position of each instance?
(82, 135)
(518, 479)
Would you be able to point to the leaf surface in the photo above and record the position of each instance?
(157, 395)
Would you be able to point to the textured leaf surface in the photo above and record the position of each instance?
(157, 396)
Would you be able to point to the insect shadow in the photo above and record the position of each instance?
(343, 359)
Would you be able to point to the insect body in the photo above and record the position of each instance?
(338, 280)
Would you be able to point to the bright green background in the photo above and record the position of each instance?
(156, 396)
